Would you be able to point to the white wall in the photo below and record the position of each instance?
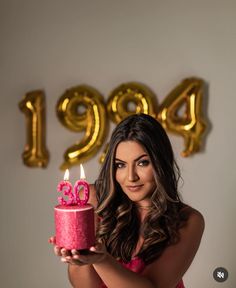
(55, 45)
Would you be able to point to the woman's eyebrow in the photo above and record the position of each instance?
(138, 158)
(117, 159)
(141, 156)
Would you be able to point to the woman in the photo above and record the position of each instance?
(146, 236)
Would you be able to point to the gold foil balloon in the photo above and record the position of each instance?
(130, 98)
(82, 109)
(188, 123)
(35, 152)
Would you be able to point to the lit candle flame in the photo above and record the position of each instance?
(82, 174)
(66, 175)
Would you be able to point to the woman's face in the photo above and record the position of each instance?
(134, 172)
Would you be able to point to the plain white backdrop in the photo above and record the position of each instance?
(55, 45)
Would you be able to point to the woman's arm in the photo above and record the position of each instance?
(114, 275)
(167, 270)
(83, 276)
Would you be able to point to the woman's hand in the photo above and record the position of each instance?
(66, 255)
(95, 254)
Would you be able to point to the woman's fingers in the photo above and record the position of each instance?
(71, 257)
(74, 256)
(52, 240)
(57, 250)
(65, 252)
(67, 256)
(98, 248)
(74, 252)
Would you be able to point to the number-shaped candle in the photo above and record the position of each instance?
(67, 189)
(78, 185)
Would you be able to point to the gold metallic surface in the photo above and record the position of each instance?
(35, 152)
(142, 99)
(188, 123)
(91, 119)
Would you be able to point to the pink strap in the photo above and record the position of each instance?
(180, 284)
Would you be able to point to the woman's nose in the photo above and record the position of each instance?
(132, 174)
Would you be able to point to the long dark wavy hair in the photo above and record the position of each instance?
(119, 227)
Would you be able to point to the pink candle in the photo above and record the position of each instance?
(65, 187)
(81, 185)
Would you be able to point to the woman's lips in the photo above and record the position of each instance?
(134, 188)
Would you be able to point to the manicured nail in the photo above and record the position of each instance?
(76, 257)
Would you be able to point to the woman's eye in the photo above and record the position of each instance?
(119, 165)
(144, 162)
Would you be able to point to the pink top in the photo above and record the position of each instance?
(137, 265)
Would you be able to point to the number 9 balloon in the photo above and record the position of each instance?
(142, 98)
(92, 119)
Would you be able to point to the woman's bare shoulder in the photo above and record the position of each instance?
(194, 217)
(192, 230)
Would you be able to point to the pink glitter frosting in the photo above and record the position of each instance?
(74, 226)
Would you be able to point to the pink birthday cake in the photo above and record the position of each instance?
(74, 217)
(74, 226)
